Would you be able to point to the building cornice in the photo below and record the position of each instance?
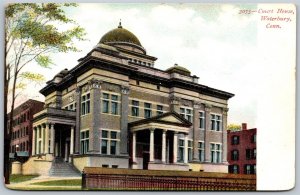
(90, 62)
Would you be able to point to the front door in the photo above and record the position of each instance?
(145, 160)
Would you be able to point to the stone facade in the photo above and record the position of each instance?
(100, 104)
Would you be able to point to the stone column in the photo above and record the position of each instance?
(163, 150)
(42, 129)
(124, 121)
(66, 151)
(224, 135)
(95, 94)
(33, 141)
(185, 158)
(196, 131)
(133, 147)
(72, 140)
(206, 135)
(52, 140)
(78, 114)
(175, 147)
(46, 149)
(151, 145)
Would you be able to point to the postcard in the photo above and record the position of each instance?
(149, 97)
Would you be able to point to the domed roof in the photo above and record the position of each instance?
(120, 34)
(179, 69)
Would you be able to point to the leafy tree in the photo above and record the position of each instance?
(32, 34)
(234, 127)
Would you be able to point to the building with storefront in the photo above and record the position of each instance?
(116, 109)
(242, 150)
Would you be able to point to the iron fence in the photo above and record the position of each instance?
(109, 179)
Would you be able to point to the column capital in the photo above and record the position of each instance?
(208, 107)
(125, 90)
(174, 99)
(225, 111)
(196, 104)
(95, 83)
(164, 130)
(151, 129)
(78, 90)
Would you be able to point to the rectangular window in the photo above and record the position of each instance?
(201, 149)
(84, 141)
(186, 113)
(109, 142)
(247, 169)
(135, 108)
(113, 147)
(201, 120)
(85, 104)
(215, 151)
(235, 155)
(216, 122)
(147, 109)
(114, 104)
(235, 140)
(248, 154)
(234, 169)
(254, 153)
(104, 146)
(105, 102)
(254, 138)
(110, 103)
(181, 150)
(159, 109)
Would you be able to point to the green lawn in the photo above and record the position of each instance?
(70, 182)
(21, 178)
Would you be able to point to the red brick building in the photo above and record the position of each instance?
(241, 152)
(21, 137)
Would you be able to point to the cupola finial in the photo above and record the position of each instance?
(120, 25)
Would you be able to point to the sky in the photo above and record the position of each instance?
(211, 40)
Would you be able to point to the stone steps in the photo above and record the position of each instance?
(60, 168)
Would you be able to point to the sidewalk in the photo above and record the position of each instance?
(29, 185)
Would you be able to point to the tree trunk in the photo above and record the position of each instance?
(5, 129)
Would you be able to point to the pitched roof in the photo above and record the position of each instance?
(171, 118)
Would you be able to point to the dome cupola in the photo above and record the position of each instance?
(123, 38)
(179, 69)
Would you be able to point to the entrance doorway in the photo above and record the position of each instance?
(145, 160)
(62, 142)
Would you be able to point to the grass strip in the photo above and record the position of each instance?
(69, 182)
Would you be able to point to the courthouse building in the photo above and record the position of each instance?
(116, 109)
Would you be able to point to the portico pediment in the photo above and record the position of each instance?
(169, 120)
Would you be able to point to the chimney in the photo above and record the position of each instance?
(244, 126)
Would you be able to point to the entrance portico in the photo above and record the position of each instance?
(53, 134)
(154, 142)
